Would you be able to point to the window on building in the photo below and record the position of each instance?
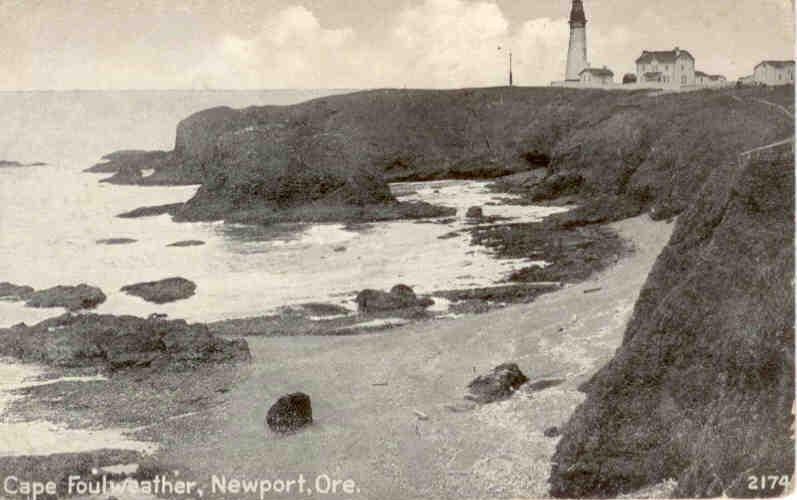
(683, 80)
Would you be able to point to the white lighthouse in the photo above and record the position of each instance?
(577, 51)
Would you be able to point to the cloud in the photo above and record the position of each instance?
(291, 50)
(437, 43)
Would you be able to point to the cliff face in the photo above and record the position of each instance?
(639, 149)
(702, 388)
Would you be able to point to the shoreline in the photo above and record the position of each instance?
(427, 366)
(212, 392)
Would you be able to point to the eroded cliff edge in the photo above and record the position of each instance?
(702, 388)
(618, 152)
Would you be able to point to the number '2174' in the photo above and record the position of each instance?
(767, 482)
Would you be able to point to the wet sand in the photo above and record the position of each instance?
(365, 391)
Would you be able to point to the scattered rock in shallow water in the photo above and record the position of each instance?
(399, 297)
(499, 384)
(290, 413)
(552, 432)
(474, 213)
(119, 342)
(72, 298)
(14, 292)
(153, 211)
(163, 291)
(339, 249)
(186, 243)
(116, 241)
(323, 309)
(541, 385)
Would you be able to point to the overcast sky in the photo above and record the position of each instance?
(160, 44)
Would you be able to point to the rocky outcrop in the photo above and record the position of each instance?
(118, 342)
(290, 413)
(702, 388)
(186, 243)
(321, 159)
(162, 291)
(128, 168)
(73, 298)
(500, 383)
(14, 292)
(399, 297)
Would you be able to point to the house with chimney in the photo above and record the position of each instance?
(668, 68)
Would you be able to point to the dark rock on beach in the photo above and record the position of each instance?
(116, 241)
(474, 213)
(186, 243)
(152, 211)
(290, 413)
(15, 292)
(162, 291)
(72, 298)
(324, 309)
(117, 342)
(399, 297)
(498, 384)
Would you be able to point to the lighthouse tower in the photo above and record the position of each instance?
(577, 52)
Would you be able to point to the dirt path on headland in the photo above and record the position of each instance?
(370, 434)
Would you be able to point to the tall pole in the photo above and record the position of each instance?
(510, 68)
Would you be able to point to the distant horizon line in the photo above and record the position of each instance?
(276, 89)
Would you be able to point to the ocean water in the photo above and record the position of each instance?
(52, 216)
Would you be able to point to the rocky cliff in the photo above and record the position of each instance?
(632, 150)
(702, 389)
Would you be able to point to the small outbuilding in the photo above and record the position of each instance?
(596, 76)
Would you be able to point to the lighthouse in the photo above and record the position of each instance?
(577, 50)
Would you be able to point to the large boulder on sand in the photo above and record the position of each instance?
(499, 384)
(72, 298)
(474, 213)
(399, 297)
(162, 291)
(290, 413)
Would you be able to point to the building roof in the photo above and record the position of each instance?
(664, 56)
(716, 77)
(577, 13)
(776, 64)
(700, 73)
(598, 71)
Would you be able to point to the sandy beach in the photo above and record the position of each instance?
(366, 428)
